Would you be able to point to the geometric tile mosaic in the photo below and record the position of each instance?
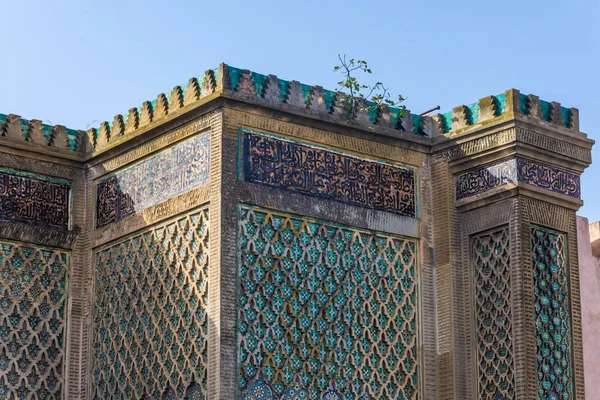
(316, 172)
(552, 313)
(32, 199)
(517, 170)
(149, 317)
(33, 302)
(493, 316)
(173, 171)
(325, 311)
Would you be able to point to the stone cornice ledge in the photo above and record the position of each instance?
(508, 133)
(38, 235)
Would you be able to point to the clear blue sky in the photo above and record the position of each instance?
(77, 63)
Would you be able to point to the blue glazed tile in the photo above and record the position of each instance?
(547, 177)
(517, 170)
(316, 172)
(34, 200)
(552, 313)
(176, 170)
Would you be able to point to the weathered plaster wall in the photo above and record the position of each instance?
(589, 267)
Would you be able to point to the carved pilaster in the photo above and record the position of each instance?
(406, 122)
(161, 108)
(295, 95)
(316, 100)
(147, 114)
(13, 128)
(132, 120)
(176, 99)
(487, 108)
(574, 119)
(533, 106)
(209, 83)
(556, 116)
(36, 134)
(245, 84)
(103, 135)
(118, 127)
(430, 126)
(59, 137)
(91, 138)
(460, 117)
(386, 118)
(271, 90)
(340, 104)
(192, 92)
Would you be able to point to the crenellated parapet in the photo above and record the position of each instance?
(291, 96)
(56, 138)
(508, 104)
(250, 86)
(151, 113)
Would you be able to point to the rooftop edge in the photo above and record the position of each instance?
(271, 90)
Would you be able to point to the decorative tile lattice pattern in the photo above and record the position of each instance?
(173, 171)
(493, 319)
(150, 324)
(518, 169)
(34, 200)
(329, 175)
(326, 308)
(33, 304)
(552, 313)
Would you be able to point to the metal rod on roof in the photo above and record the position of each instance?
(428, 111)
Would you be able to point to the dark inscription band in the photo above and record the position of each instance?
(317, 172)
(517, 169)
(173, 171)
(34, 200)
(547, 177)
(483, 179)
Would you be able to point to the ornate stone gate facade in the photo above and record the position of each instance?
(241, 238)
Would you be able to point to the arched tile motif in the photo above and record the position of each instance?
(331, 394)
(194, 392)
(150, 324)
(33, 287)
(258, 390)
(295, 392)
(327, 303)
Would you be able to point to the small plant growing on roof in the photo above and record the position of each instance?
(361, 97)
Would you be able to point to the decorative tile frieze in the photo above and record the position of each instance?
(150, 326)
(483, 179)
(552, 313)
(490, 261)
(180, 168)
(324, 309)
(33, 306)
(313, 171)
(547, 177)
(34, 199)
(516, 170)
